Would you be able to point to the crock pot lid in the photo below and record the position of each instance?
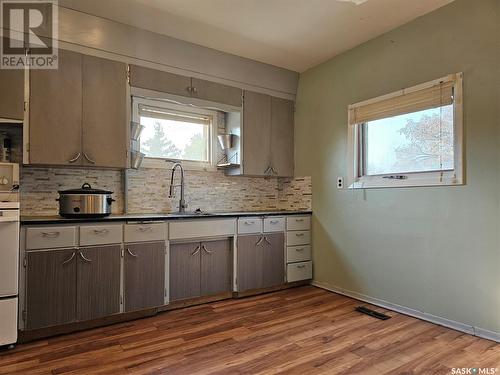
(85, 189)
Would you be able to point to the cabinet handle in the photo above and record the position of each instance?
(249, 222)
(300, 250)
(75, 158)
(70, 259)
(267, 240)
(267, 170)
(131, 253)
(145, 229)
(197, 250)
(259, 241)
(51, 234)
(88, 159)
(273, 171)
(299, 220)
(84, 258)
(194, 90)
(101, 231)
(299, 234)
(205, 249)
(301, 266)
(274, 221)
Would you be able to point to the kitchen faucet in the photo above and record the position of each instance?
(182, 202)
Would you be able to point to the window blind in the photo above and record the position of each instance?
(155, 112)
(405, 101)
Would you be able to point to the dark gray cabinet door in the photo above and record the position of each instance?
(250, 261)
(273, 260)
(56, 112)
(104, 119)
(184, 275)
(157, 80)
(256, 134)
(98, 282)
(282, 136)
(216, 265)
(12, 94)
(51, 288)
(216, 92)
(144, 275)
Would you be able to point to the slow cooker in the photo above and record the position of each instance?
(85, 202)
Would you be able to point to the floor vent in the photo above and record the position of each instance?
(375, 314)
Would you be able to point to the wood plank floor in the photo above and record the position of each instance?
(303, 330)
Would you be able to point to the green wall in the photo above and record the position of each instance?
(436, 249)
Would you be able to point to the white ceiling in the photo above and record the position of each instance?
(293, 34)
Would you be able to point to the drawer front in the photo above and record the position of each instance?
(274, 224)
(298, 223)
(298, 253)
(50, 237)
(101, 235)
(249, 225)
(299, 271)
(145, 232)
(200, 228)
(295, 238)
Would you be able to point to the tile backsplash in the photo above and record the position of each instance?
(148, 190)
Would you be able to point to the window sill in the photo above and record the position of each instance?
(153, 163)
(427, 180)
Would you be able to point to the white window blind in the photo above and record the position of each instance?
(173, 115)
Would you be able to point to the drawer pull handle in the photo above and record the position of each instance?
(101, 231)
(145, 229)
(299, 250)
(299, 234)
(274, 221)
(249, 222)
(51, 234)
(84, 258)
(299, 220)
(259, 241)
(131, 253)
(205, 250)
(301, 266)
(197, 250)
(70, 259)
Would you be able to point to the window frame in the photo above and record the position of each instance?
(166, 163)
(355, 174)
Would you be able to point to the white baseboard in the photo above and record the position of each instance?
(462, 327)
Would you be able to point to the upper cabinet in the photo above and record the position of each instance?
(12, 94)
(157, 80)
(78, 113)
(268, 136)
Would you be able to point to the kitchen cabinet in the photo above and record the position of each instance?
(12, 94)
(98, 281)
(104, 122)
(260, 261)
(200, 269)
(268, 140)
(144, 275)
(78, 113)
(50, 288)
(215, 92)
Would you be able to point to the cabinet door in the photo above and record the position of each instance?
(98, 282)
(256, 133)
(250, 261)
(56, 112)
(157, 80)
(50, 288)
(216, 265)
(185, 281)
(216, 92)
(104, 113)
(282, 136)
(273, 267)
(12, 94)
(144, 275)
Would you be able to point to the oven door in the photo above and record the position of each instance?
(9, 253)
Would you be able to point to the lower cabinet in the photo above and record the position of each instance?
(72, 285)
(144, 275)
(260, 261)
(98, 282)
(200, 269)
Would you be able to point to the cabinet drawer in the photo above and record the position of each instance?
(274, 224)
(50, 237)
(298, 223)
(295, 238)
(101, 235)
(298, 253)
(145, 232)
(200, 228)
(299, 271)
(249, 225)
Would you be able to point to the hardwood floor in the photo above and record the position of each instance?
(303, 330)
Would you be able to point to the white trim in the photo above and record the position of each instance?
(453, 324)
(415, 179)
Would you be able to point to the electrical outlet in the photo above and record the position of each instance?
(340, 182)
